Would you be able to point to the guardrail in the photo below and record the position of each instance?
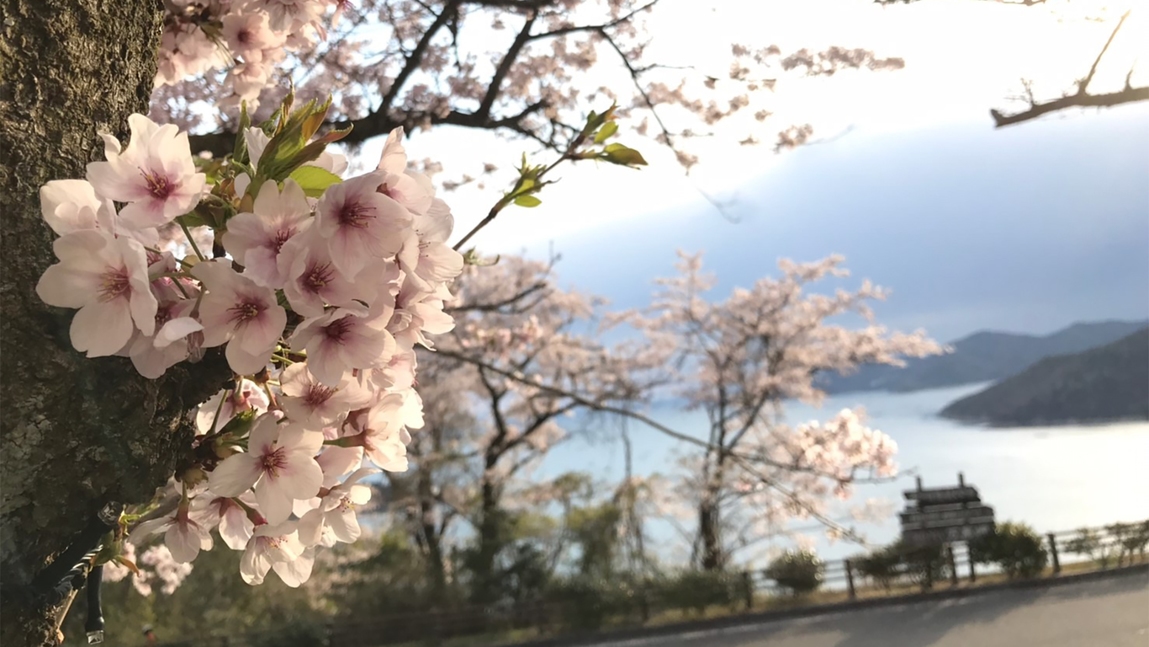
(689, 595)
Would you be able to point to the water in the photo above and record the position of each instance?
(1053, 478)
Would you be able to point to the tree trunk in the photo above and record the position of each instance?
(490, 543)
(710, 530)
(76, 433)
(436, 569)
(710, 517)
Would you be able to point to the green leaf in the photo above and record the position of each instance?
(528, 201)
(239, 151)
(605, 132)
(472, 257)
(314, 180)
(622, 155)
(191, 219)
(312, 123)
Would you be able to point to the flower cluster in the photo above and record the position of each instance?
(248, 37)
(319, 291)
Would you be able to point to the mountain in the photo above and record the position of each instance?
(980, 357)
(1098, 385)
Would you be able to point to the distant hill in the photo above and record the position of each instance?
(980, 357)
(1098, 385)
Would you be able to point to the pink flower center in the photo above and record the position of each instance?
(318, 277)
(114, 284)
(243, 36)
(246, 311)
(281, 237)
(164, 315)
(317, 395)
(337, 330)
(354, 214)
(273, 462)
(159, 185)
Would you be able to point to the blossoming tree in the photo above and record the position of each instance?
(738, 360)
(525, 355)
(260, 271)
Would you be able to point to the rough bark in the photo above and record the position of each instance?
(75, 433)
(709, 527)
(490, 541)
(431, 533)
(714, 554)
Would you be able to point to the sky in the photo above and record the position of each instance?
(1027, 228)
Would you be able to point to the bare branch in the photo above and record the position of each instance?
(1127, 95)
(1084, 83)
(505, 67)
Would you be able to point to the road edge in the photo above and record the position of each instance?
(762, 617)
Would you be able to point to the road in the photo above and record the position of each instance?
(1111, 612)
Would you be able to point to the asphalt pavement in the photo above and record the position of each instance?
(1110, 612)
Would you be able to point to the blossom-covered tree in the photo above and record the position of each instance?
(491, 421)
(261, 271)
(526, 68)
(739, 360)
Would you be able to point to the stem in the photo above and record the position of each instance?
(157, 251)
(191, 241)
(507, 199)
(218, 409)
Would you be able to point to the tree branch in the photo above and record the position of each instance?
(1126, 95)
(1081, 98)
(1084, 83)
(520, 41)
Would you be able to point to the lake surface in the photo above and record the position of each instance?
(1053, 478)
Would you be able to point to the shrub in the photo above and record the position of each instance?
(881, 566)
(1130, 538)
(587, 603)
(922, 565)
(1015, 547)
(700, 589)
(799, 571)
(1087, 542)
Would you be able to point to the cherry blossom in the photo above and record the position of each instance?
(274, 546)
(186, 532)
(360, 224)
(340, 376)
(153, 356)
(154, 174)
(333, 517)
(241, 313)
(279, 465)
(107, 279)
(235, 527)
(313, 404)
(313, 281)
(71, 205)
(248, 35)
(379, 430)
(341, 340)
(216, 412)
(256, 238)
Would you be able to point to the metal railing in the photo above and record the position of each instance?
(693, 594)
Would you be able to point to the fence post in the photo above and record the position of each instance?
(972, 570)
(953, 564)
(748, 589)
(850, 580)
(1053, 553)
(643, 602)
